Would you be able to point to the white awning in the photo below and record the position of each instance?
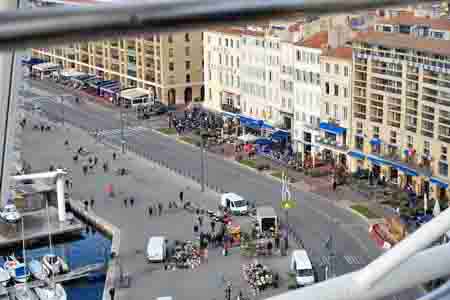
(45, 66)
(134, 93)
(71, 73)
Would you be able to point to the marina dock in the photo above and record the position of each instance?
(36, 228)
(72, 275)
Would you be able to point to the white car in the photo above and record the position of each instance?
(10, 214)
(235, 203)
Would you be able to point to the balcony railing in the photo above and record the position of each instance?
(331, 143)
(422, 167)
(230, 108)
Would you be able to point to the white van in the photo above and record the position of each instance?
(301, 265)
(156, 249)
(235, 203)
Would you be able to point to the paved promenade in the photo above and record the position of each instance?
(148, 184)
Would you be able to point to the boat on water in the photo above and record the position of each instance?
(52, 292)
(54, 264)
(22, 292)
(16, 269)
(37, 269)
(5, 278)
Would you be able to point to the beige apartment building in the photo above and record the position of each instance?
(335, 103)
(401, 109)
(170, 66)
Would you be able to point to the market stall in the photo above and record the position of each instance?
(259, 277)
(187, 255)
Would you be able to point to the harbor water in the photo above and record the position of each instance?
(93, 247)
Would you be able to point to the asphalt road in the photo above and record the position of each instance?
(314, 218)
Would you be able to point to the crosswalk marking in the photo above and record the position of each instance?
(117, 132)
(354, 260)
(324, 260)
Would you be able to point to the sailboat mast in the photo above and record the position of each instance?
(23, 245)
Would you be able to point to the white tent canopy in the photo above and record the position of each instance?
(134, 93)
(248, 138)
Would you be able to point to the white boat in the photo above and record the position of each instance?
(22, 292)
(55, 292)
(37, 269)
(4, 277)
(54, 264)
(17, 270)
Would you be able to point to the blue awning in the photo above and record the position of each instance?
(263, 141)
(404, 169)
(250, 122)
(439, 182)
(33, 61)
(356, 154)
(266, 126)
(378, 162)
(375, 141)
(331, 128)
(280, 135)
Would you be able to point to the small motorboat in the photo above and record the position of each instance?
(5, 277)
(54, 264)
(17, 270)
(37, 269)
(54, 292)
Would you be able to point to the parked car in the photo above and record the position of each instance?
(10, 214)
(234, 203)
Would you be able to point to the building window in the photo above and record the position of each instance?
(226, 42)
(443, 169)
(335, 111)
(270, 75)
(220, 59)
(170, 52)
(209, 74)
(336, 69)
(210, 94)
(237, 62)
(345, 93)
(346, 71)
(345, 111)
(376, 131)
(327, 88)
(409, 141)
(187, 51)
(170, 38)
(336, 90)
(426, 148)
(187, 38)
(299, 57)
(188, 65)
(226, 60)
(327, 108)
(220, 41)
(327, 68)
(188, 77)
(231, 43)
(443, 153)
(171, 66)
(303, 116)
(297, 116)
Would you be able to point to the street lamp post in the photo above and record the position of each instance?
(122, 134)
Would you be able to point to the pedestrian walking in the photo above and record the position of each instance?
(131, 201)
(51, 168)
(181, 196)
(66, 143)
(95, 160)
(90, 160)
(86, 204)
(42, 128)
(105, 167)
(114, 155)
(92, 202)
(112, 291)
(160, 208)
(334, 184)
(85, 170)
(67, 183)
(150, 210)
(125, 202)
(213, 226)
(200, 221)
